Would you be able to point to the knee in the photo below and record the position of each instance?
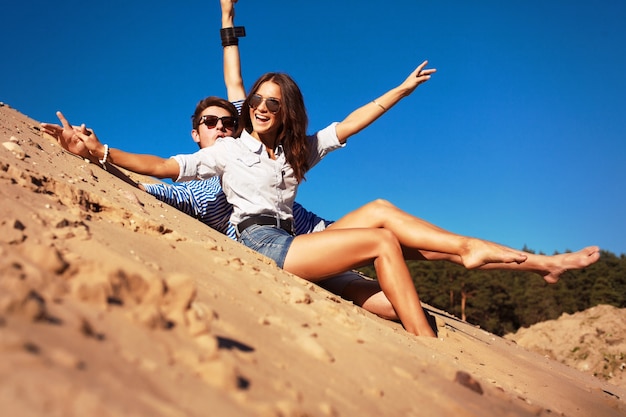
(379, 204)
(387, 240)
(379, 209)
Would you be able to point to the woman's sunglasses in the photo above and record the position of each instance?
(229, 122)
(272, 104)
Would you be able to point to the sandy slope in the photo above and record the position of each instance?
(592, 341)
(113, 304)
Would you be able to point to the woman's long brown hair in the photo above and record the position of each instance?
(294, 121)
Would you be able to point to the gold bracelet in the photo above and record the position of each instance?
(379, 105)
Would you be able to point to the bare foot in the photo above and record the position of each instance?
(568, 261)
(424, 331)
(479, 252)
(419, 325)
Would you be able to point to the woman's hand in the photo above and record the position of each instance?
(365, 115)
(66, 137)
(91, 142)
(84, 142)
(417, 77)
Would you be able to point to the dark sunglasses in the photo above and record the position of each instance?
(272, 104)
(229, 122)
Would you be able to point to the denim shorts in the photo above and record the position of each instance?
(269, 241)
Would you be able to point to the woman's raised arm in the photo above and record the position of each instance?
(365, 115)
(141, 164)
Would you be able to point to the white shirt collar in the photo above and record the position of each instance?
(255, 145)
(251, 143)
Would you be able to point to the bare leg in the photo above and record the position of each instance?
(413, 232)
(383, 214)
(315, 256)
(368, 295)
(550, 267)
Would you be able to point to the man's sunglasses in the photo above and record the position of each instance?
(272, 104)
(229, 122)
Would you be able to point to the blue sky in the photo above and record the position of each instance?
(519, 138)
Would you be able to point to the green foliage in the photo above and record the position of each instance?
(503, 301)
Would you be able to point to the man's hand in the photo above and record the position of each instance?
(228, 12)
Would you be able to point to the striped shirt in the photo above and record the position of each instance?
(205, 200)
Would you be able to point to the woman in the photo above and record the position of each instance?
(261, 172)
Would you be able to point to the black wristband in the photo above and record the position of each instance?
(230, 35)
(229, 41)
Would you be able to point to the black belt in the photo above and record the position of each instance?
(286, 225)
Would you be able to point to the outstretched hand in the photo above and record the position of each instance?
(83, 142)
(90, 141)
(66, 136)
(417, 77)
(228, 8)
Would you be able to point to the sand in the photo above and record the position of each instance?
(592, 341)
(112, 303)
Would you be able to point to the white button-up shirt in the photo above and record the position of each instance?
(252, 181)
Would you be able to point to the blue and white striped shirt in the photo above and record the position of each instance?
(205, 200)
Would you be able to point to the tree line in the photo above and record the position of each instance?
(503, 301)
